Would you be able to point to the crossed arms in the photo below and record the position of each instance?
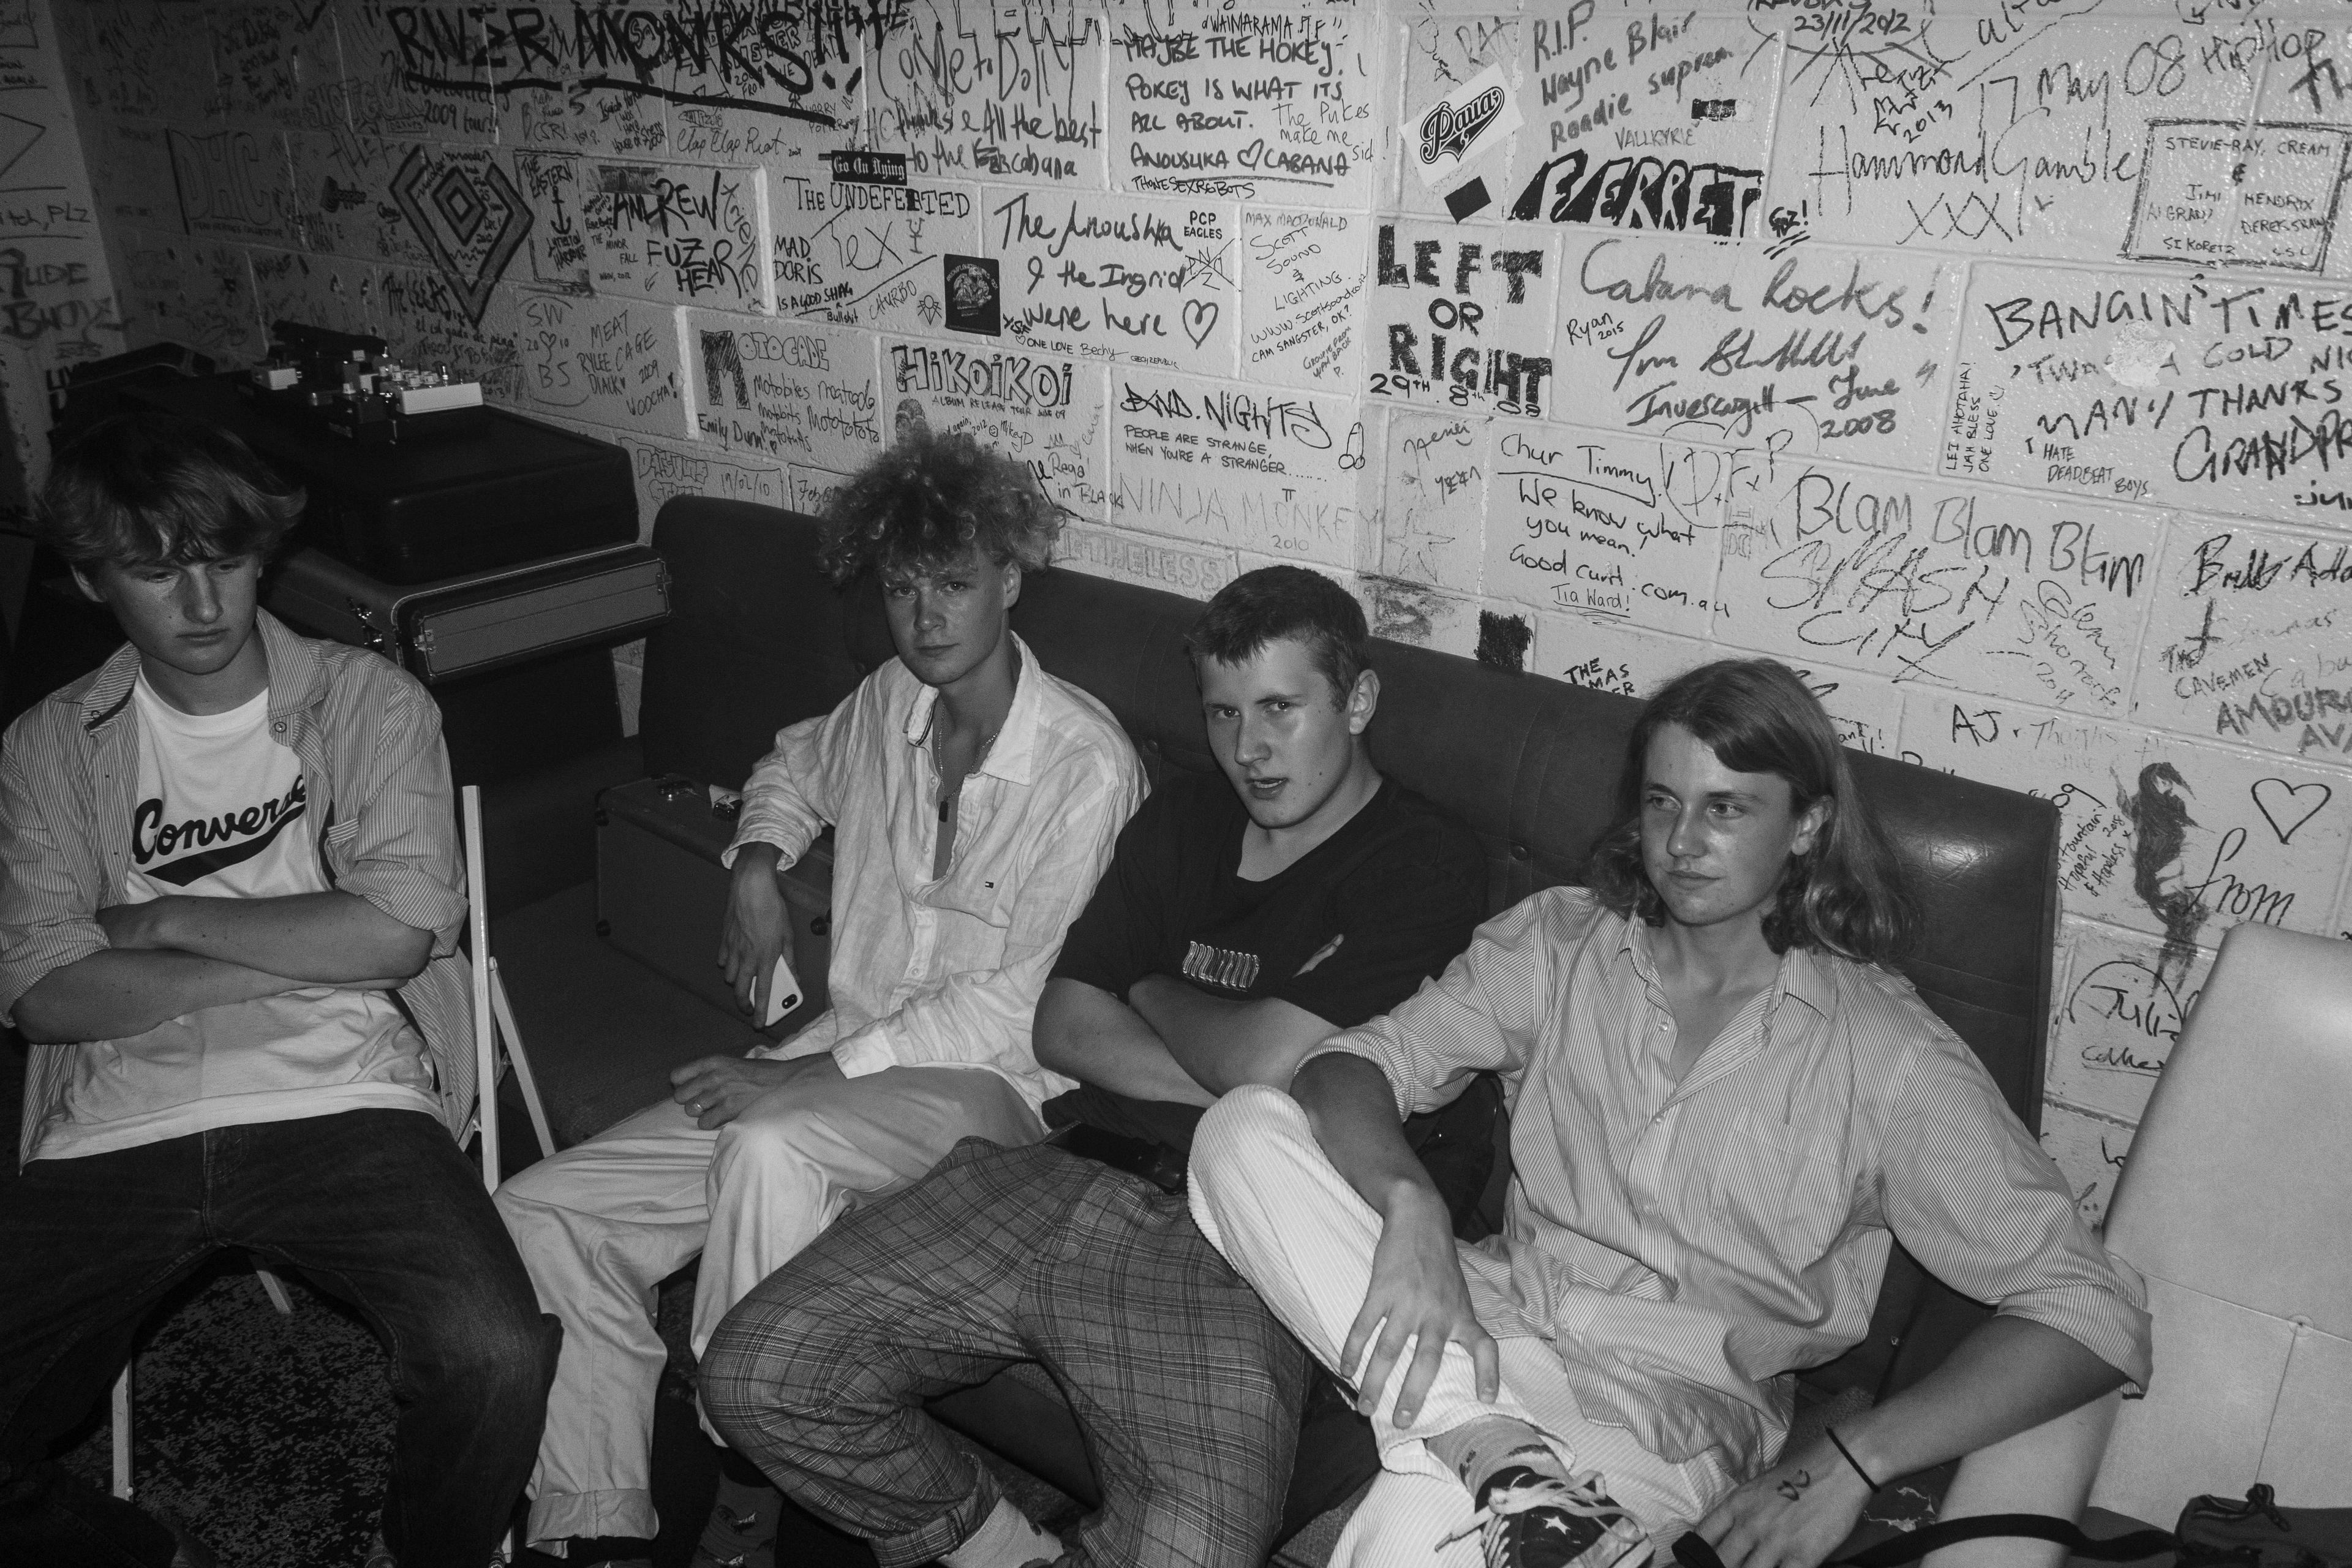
(175, 955)
(1169, 1042)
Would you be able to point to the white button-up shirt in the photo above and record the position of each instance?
(931, 972)
(1684, 1245)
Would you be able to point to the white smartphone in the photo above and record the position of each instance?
(784, 993)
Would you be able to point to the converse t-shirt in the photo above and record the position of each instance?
(222, 810)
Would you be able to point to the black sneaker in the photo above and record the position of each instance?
(1527, 1520)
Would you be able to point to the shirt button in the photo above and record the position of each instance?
(279, 728)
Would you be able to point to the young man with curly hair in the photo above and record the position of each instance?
(1726, 1108)
(974, 799)
(230, 894)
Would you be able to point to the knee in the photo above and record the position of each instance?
(496, 1354)
(526, 1214)
(1238, 1136)
(777, 1131)
(769, 1360)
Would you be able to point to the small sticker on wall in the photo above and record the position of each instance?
(974, 303)
(858, 166)
(1463, 124)
(1715, 109)
(1471, 198)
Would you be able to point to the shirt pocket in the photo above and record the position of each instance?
(976, 903)
(1777, 1190)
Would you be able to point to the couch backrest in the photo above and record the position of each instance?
(759, 639)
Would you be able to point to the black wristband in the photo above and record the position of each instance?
(1830, 1433)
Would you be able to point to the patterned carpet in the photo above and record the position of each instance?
(270, 1436)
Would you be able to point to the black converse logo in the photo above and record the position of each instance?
(203, 845)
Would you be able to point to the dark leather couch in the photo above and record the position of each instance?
(759, 639)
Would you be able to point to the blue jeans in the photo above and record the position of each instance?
(377, 1207)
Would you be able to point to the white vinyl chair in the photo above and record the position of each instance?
(2235, 1203)
(2235, 1206)
(493, 1026)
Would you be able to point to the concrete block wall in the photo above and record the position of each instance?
(1986, 359)
(57, 301)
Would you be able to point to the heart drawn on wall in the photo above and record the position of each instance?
(1200, 320)
(2288, 806)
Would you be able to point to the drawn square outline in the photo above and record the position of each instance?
(2135, 251)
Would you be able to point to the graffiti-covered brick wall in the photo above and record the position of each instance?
(56, 303)
(1987, 361)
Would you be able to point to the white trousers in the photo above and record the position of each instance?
(1263, 1194)
(603, 1222)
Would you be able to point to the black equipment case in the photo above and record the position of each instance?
(484, 621)
(508, 489)
(661, 894)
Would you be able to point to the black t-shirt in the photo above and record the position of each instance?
(1400, 883)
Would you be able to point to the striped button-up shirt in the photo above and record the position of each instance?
(374, 773)
(929, 970)
(1685, 1244)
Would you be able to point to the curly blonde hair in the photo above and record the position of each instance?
(927, 499)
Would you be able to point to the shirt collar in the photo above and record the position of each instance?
(296, 672)
(1803, 977)
(1802, 974)
(1013, 757)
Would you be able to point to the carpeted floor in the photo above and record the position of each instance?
(269, 1435)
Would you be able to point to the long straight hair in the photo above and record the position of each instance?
(1846, 894)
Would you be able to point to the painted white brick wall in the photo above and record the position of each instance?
(1986, 361)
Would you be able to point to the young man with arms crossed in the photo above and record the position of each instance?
(975, 800)
(1242, 919)
(1724, 1111)
(230, 895)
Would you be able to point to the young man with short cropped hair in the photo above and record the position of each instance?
(1724, 1110)
(230, 893)
(974, 799)
(1243, 918)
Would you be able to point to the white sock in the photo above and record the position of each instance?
(1006, 1539)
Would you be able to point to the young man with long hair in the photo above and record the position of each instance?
(975, 800)
(1725, 1108)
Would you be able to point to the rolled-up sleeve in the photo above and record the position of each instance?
(1480, 1016)
(797, 789)
(983, 1017)
(49, 888)
(1992, 1217)
(401, 855)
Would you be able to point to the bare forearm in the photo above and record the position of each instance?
(1352, 1110)
(321, 939)
(115, 995)
(1098, 1039)
(2011, 1374)
(1224, 1044)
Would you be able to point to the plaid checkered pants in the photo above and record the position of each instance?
(1188, 1390)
